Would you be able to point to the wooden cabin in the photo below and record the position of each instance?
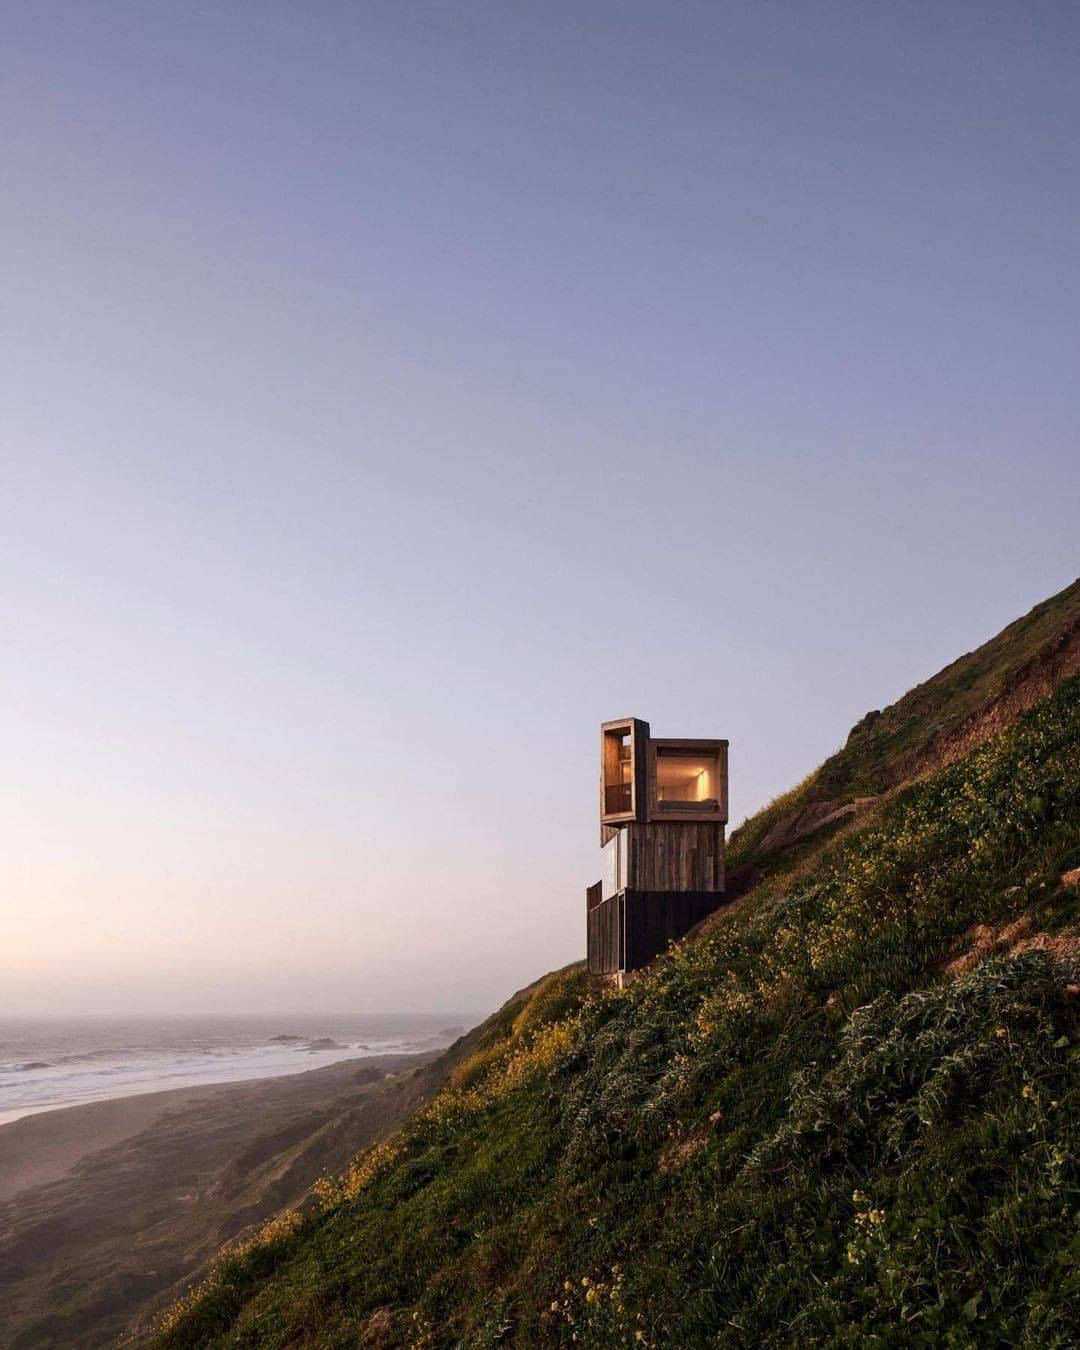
(663, 808)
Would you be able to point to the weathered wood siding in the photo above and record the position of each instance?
(682, 856)
(629, 930)
(605, 933)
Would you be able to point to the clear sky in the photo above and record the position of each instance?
(394, 391)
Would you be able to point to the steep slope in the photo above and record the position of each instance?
(975, 696)
(846, 1113)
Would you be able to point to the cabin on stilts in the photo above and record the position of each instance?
(663, 808)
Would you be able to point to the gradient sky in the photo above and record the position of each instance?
(393, 391)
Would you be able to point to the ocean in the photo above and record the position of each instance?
(52, 1062)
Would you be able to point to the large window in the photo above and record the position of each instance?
(618, 772)
(686, 780)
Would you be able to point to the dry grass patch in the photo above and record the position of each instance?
(982, 940)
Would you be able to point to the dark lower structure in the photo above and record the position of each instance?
(663, 808)
(628, 930)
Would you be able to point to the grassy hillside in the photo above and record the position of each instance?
(846, 1114)
(932, 724)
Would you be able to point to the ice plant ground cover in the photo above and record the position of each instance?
(801, 1127)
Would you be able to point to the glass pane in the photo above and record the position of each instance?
(686, 778)
(618, 772)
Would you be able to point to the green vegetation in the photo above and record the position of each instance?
(1019, 666)
(818, 1123)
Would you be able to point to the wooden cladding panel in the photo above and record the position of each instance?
(629, 930)
(683, 856)
(606, 936)
(653, 920)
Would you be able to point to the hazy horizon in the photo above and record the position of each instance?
(395, 393)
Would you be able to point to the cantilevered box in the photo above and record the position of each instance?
(663, 808)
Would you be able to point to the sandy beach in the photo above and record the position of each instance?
(42, 1146)
(107, 1208)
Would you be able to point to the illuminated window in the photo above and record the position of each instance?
(686, 780)
(618, 772)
